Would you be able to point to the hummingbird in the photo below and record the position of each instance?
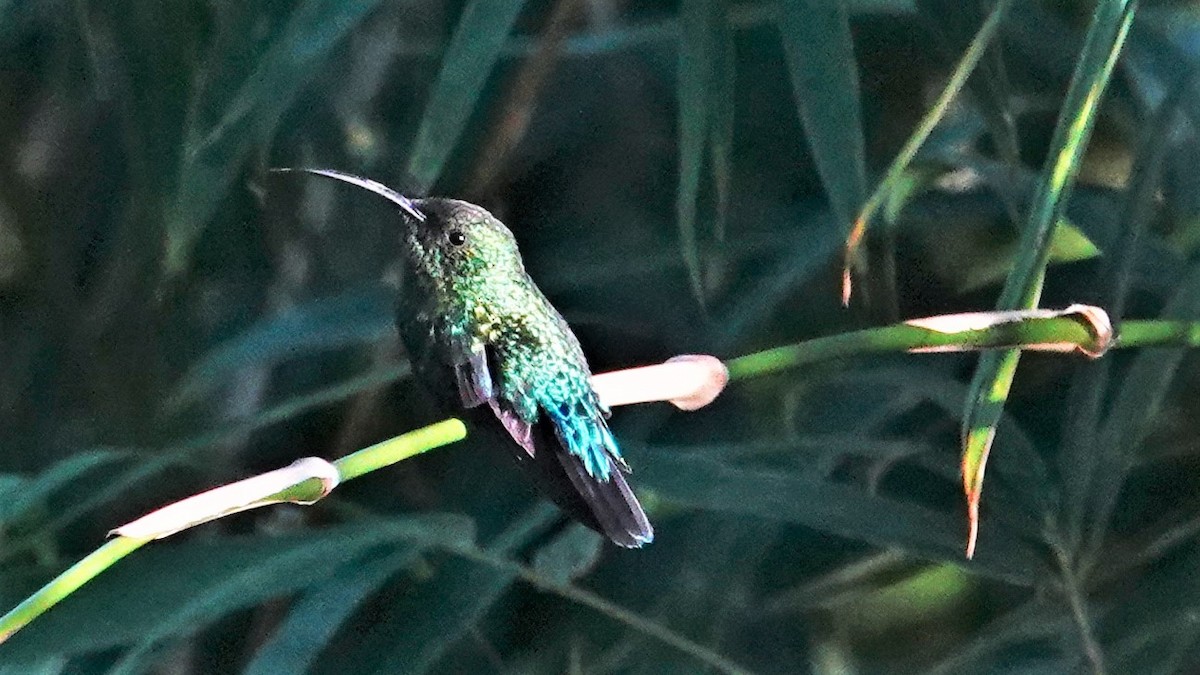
(473, 321)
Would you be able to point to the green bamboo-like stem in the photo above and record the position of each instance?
(1159, 334)
(376, 457)
(906, 338)
(67, 583)
(310, 490)
(903, 337)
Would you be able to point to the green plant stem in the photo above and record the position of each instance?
(1159, 334)
(67, 583)
(310, 490)
(378, 456)
(905, 338)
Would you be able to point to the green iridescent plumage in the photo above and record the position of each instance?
(472, 319)
(483, 300)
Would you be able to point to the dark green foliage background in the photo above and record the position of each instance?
(172, 318)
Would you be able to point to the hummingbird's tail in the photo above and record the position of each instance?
(614, 511)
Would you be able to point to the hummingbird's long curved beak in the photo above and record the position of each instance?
(378, 188)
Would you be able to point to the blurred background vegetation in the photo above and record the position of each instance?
(680, 177)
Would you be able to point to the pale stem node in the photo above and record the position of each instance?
(689, 382)
(1095, 318)
(243, 495)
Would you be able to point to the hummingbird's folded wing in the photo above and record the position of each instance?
(476, 386)
(475, 383)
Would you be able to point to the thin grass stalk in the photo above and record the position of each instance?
(958, 79)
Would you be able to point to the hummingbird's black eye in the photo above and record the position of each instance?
(456, 237)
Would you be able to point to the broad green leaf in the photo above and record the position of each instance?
(213, 155)
(413, 633)
(993, 377)
(820, 54)
(570, 555)
(34, 491)
(319, 612)
(357, 316)
(469, 59)
(834, 508)
(220, 577)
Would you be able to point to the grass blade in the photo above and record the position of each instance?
(994, 375)
(893, 180)
(213, 156)
(702, 36)
(990, 90)
(820, 55)
(469, 59)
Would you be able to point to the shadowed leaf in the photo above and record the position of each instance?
(842, 510)
(222, 576)
(358, 316)
(317, 614)
(439, 610)
(570, 555)
(32, 491)
(215, 147)
(701, 49)
(820, 54)
(993, 377)
(469, 59)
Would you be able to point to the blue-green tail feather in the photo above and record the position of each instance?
(586, 435)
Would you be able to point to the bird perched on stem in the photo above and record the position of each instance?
(474, 322)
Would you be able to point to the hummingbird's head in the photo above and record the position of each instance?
(445, 239)
(460, 240)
